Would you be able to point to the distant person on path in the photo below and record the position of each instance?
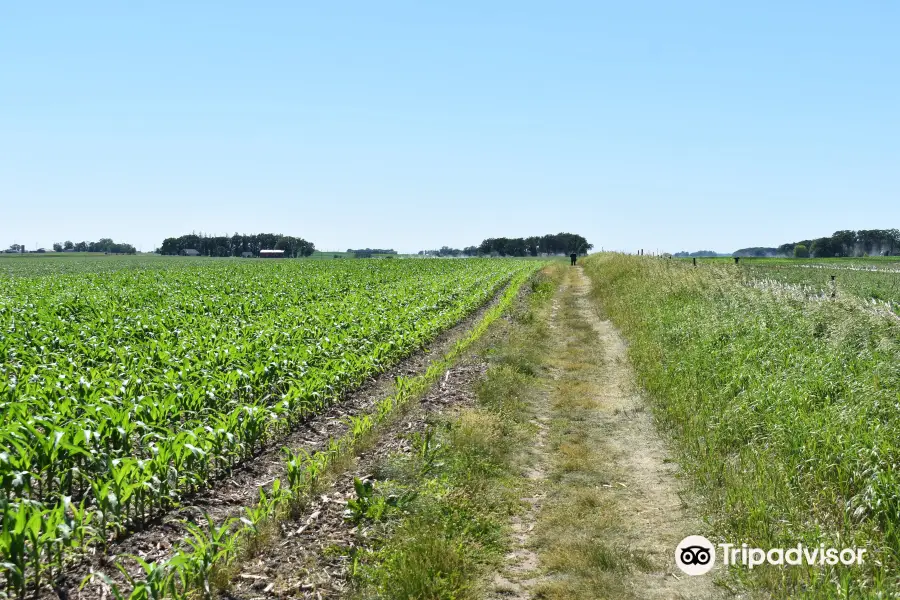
(574, 257)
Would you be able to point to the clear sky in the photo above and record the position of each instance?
(671, 125)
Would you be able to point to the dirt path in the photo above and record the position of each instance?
(607, 511)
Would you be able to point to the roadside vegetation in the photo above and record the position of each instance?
(784, 404)
(436, 518)
(876, 281)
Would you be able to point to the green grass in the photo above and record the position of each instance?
(862, 280)
(785, 409)
(872, 278)
(464, 480)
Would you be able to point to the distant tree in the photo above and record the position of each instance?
(849, 243)
(697, 254)
(801, 251)
(759, 252)
(515, 247)
(102, 245)
(787, 249)
(560, 243)
(844, 242)
(826, 248)
(372, 250)
(235, 244)
(894, 241)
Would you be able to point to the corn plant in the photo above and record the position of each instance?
(208, 547)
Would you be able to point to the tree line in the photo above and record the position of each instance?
(698, 254)
(448, 251)
(560, 243)
(865, 242)
(102, 245)
(237, 244)
(371, 251)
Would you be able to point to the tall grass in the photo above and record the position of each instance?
(786, 412)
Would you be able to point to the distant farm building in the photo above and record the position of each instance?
(189, 252)
(271, 253)
(246, 255)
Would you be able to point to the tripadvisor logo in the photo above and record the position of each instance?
(696, 555)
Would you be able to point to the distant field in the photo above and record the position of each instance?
(876, 279)
(869, 261)
(34, 263)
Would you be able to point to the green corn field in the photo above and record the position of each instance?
(127, 385)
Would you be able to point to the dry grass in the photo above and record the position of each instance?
(578, 534)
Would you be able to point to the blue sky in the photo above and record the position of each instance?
(670, 125)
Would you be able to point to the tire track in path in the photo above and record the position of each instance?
(612, 509)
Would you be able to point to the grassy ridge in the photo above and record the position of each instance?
(786, 411)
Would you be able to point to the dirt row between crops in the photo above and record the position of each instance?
(301, 563)
(227, 497)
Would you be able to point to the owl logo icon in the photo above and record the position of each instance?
(695, 555)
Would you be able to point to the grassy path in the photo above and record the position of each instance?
(606, 508)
